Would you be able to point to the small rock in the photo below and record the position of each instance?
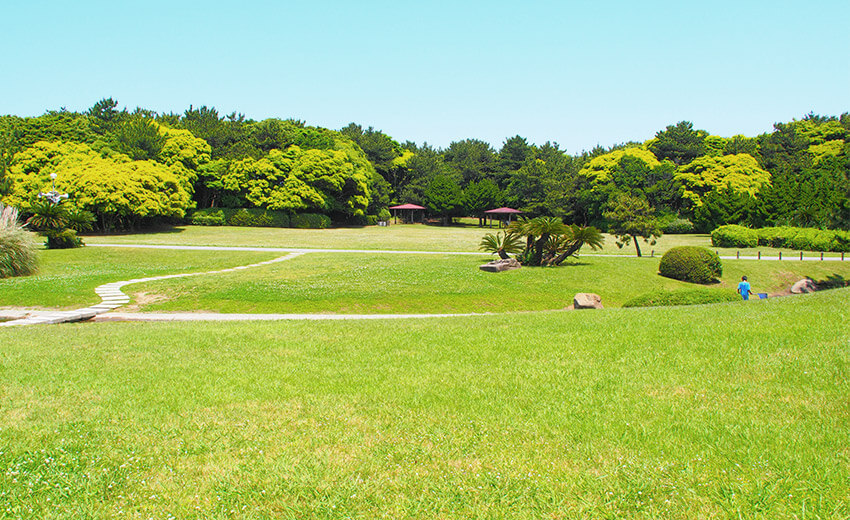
(498, 266)
(587, 301)
(806, 285)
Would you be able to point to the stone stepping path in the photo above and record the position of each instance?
(111, 298)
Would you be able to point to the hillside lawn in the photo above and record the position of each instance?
(364, 283)
(722, 411)
(402, 237)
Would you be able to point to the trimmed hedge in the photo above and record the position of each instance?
(249, 217)
(734, 236)
(664, 298)
(311, 221)
(679, 226)
(800, 239)
(62, 239)
(691, 264)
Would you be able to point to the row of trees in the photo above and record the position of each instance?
(133, 167)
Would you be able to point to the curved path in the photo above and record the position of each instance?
(112, 297)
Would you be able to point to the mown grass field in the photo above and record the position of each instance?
(67, 277)
(410, 237)
(392, 283)
(724, 411)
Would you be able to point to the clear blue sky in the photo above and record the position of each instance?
(579, 73)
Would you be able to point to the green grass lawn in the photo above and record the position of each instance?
(723, 411)
(390, 283)
(408, 237)
(67, 277)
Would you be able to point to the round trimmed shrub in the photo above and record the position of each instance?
(691, 264)
(734, 236)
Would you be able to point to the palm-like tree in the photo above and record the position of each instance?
(48, 216)
(574, 239)
(538, 231)
(501, 244)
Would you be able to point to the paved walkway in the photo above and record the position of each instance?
(112, 297)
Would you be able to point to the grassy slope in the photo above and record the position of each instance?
(396, 237)
(67, 277)
(360, 283)
(712, 411)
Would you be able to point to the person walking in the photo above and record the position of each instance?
(744, 288)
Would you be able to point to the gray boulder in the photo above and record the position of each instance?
(806, 285)
(497, 266)
(587, 301)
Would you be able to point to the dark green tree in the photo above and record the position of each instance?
(444, 198)
(480, 196)
(632, 217)
(680, 143)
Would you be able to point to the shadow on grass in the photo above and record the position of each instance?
(832, 281)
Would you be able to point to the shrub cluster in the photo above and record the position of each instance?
(691, 264)
(801, 239)
(311, 221)
(248, 217)
(62, 239)
(734, 236)
(678, 226)
(663, 298)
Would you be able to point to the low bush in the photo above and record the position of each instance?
(311, 221)
(804, 239)
(371, 220)
(679, 226)
(248, 217)
(62, 239)
(18, 255)
(691, 264)
(734, 236)
(664, 298)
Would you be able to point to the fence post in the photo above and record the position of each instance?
(801, 255)
(821, 255)
(738, 255)
(780, 255)
(759, 255)
(651, 253)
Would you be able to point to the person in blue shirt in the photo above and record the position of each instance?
(744, 288)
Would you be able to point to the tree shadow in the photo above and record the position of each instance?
(832, 281)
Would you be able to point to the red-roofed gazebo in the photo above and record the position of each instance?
(501, 213)
(412, 208)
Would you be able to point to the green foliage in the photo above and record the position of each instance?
(734, 236)
(662, 298)
(804, 239)
(247, 217)
(678, 226)
(691, 264)
(62, 239)
(311, 221)
(680, 143)
(18, 256)
(480, 196)
(502, 244)
(601, 169)
(139, 138)
(632, 217)
(741, 173)
(119, 191)
(384, 215)
(444, 198)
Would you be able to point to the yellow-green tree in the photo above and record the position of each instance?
(121, 192)
(740, 172)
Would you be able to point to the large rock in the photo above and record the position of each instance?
(498, 266)
(806, 285)
(587, 301)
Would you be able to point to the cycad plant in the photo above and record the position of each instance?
(549, 241)
(59, 223)
(501, 244)
(18, 255)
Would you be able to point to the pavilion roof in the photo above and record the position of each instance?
(407, 206)
(503, 210)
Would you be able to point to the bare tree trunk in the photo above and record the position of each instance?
(637, 246)
(566, 254)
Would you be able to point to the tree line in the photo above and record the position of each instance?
(133, 168)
